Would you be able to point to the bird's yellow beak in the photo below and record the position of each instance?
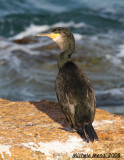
(51, 35)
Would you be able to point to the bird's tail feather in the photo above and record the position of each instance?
(90, 132)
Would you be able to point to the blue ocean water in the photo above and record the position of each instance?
(28, 71)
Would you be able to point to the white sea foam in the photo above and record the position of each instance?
(70, 24)
(32, 30)
(117, 58)
(121, 53)
(4, 44)
(77, 36)
(113, 92)
(49, 148)
(113, 59)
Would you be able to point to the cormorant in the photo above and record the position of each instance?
(74, 92)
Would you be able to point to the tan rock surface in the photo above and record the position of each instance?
(32, 131)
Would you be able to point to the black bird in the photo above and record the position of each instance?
(73, 89)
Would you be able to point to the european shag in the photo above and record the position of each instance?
(74, 92)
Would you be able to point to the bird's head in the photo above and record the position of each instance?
(63, 37)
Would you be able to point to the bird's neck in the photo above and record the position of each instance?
(67, 46)
(63, 58)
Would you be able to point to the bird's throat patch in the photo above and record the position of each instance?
(53, 35)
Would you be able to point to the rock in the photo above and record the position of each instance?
(46, 47)
(33, 131)
(25, 40)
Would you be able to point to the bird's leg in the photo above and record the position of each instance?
(80, 131)
(82, 135)
(69, 129)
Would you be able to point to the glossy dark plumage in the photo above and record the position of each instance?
(73, 89)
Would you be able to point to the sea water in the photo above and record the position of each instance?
(28, 71)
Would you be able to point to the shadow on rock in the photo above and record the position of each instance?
(53, 110)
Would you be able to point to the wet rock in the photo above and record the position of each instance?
(46, 47)
(25, 40)
(50, 47)
(33, 130)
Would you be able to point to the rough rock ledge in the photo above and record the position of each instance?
(33, 131)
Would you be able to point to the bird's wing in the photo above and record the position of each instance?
(91, 98)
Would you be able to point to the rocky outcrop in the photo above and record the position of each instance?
(34, 131)
(25, 40)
